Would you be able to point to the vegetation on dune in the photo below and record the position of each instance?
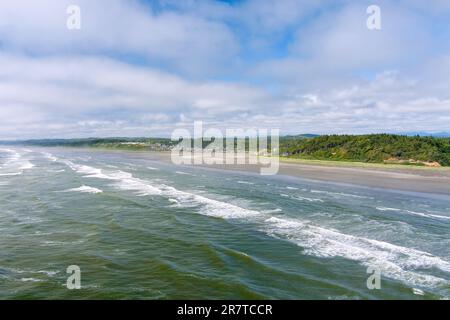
(375, 148)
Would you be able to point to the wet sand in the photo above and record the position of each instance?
(412, 179)
(401, 178)
(405, 179)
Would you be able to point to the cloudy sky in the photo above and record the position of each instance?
(144, 68)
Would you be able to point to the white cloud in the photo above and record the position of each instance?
(97, 96)
(74, 89)
(134, 70)
(341, 39)
(184, 42)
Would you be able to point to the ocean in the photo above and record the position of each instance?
(146, 229)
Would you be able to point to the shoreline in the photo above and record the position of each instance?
(426, 180)
(400, 179)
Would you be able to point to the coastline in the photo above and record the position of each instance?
(418, 179)
(425, 180)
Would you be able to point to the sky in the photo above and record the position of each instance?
(145, 68)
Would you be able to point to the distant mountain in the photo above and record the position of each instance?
(300, 136)
(442, 134)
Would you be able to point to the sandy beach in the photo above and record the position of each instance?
(396, 177)
(404, 179)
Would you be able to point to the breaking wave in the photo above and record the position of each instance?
(397, 262)
(421, 214)
(84, 189)
(15, 164)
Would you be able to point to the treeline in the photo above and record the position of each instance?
(138, 143)
(375, 148)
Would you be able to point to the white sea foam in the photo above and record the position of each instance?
(84, 189)
(7, 150)
(48, 273)
(29, 220)
(29, 272)
(30, 280)
(421, 214)
(10, 174)
(395, 262)
(49, 156)
(123, 180)
(60, 243)
(56, 171)
(387, 209)
(418, 292)
(272, 210)
(341, 194)
(25, 165)
(15, 164)
(152, 168)
(291, 188)
(300, 198)
(428, 215)
(245, 182)
(206, 205)
(184, 173)
(126, 181)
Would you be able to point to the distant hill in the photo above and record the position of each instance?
(300, 136)
(387, 148)
(428, 134)
(138, 143)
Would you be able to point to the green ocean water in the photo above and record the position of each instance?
(143, 229)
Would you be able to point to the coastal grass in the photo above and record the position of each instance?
(358, 164)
